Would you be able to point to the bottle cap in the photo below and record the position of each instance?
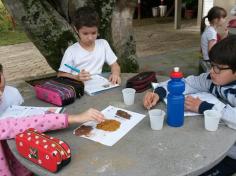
(176, 73)
(176, 69)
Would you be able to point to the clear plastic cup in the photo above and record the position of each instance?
(128, 95)
(156, 118)
(211, 120)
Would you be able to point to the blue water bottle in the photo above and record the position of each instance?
(175, 99)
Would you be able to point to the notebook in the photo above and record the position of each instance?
(16, 111)
(97, 85)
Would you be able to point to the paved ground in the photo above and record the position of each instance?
(22, 61)
(159, 48)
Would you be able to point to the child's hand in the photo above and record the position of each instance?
(150, 100)
(89, 115)
(115, 78)
(84, 76)
(192, 104)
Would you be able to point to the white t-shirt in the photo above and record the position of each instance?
(209, 34)
(91, 61)
(10, 96)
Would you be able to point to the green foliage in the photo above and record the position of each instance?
(49, 34)
(12, 37)
(5, 21)
(190, 4)
(128, 60)
(9, 36)
(55, 48)
(104, 9)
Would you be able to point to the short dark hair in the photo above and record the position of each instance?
(224, 52)
(85, 16)
(1, 68)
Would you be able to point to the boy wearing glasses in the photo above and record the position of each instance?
(8, 95)
(221, 82)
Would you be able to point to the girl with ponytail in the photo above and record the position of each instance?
(216, 17)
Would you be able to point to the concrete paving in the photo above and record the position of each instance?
(22, 61)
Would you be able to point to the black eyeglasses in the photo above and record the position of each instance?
(217, 69)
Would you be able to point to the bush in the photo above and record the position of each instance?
(5, 19)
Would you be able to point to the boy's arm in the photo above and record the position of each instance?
(195, 84)
(68, 75)
(228, 112)
(10, 127)
(82, 76)
(115, 69)
(229, 115)
(115, 73)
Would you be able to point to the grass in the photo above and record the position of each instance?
(10, 33)
(12, 37)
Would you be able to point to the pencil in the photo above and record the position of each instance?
(73, 68)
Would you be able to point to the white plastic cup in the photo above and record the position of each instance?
(156, 118)
(211, 120)
(128, 95)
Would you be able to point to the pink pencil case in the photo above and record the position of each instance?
(55, 93)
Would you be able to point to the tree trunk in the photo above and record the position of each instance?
(122, 34)
(47, 24)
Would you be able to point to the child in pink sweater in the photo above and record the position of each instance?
(10, 127)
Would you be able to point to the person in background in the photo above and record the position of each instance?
(216, 17)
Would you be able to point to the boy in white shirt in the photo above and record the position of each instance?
(88, 54)
(8, 95)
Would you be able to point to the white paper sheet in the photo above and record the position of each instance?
(22, 111)
(204, 96)
(110, 138)
(98, 84)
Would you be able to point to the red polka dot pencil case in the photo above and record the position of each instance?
(46, 151)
